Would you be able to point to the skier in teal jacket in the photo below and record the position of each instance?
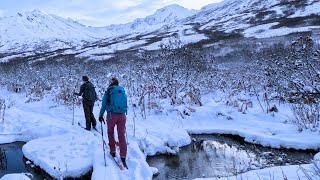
(114, 101)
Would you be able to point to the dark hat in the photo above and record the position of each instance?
(85, 78)
(114, 80)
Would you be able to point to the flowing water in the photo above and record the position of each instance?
(217, 156)
(206, 156)
(12, 161)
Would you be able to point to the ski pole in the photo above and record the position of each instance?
(104, 153)
(73, 110)
(126, 135)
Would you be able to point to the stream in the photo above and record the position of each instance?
(218, 156)
(12, 161)
(206, 156)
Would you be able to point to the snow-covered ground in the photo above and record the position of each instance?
(63, 149)
(268, 129)
(21, 176)
(309, 10)
(266, 31)
(283, 172)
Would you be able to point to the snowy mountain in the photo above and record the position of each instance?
(32, 33)
(37, 30)
(224, 20)
(161, 17)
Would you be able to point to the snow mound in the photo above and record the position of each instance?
(67, 155)
(317, 157)
(21, 176)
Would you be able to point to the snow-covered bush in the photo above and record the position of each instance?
(3, 159)
(293, 71)
(64, 93)
(307, 116)
(314, 171)
(2, 109)
(15, 87)
(174, 74)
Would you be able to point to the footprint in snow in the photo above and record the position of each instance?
(52, 157)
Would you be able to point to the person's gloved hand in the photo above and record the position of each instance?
(101, 119)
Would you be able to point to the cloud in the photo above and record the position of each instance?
(98, 12)
(196, 5)
(102, 13)
(1, 12)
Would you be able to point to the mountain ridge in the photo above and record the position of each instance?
(37, 31)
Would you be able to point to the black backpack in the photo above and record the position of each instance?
(90, 92)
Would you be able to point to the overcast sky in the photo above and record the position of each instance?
(97, 12)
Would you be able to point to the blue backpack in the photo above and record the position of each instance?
(116, 99)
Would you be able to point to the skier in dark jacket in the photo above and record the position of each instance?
(115, 118)
(89, 96)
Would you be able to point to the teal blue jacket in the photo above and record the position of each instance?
(105, 102)
(104, 106)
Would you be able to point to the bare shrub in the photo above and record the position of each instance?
(307, 116)
(15, 87)
(293, 71)
(179, 75)
(2, 109)
(38, 89)
(313, 172)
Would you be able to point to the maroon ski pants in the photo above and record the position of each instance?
(114, 119)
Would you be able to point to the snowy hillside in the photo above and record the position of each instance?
(259, 18)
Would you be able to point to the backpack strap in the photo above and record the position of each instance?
(108, 93)
(109, 100)
(85, 88)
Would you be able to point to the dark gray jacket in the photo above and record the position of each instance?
(83, 87)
